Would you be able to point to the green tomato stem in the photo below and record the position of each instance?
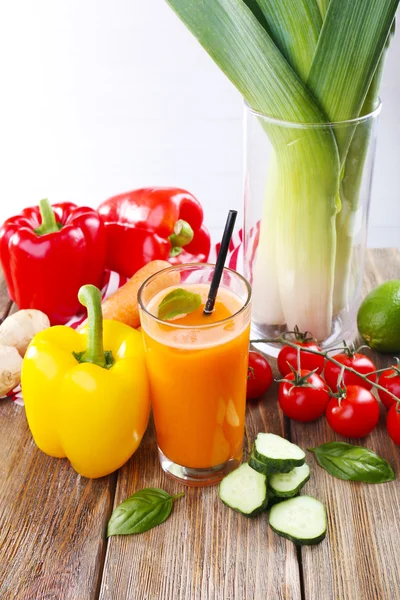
(282, 340)
(49, 223)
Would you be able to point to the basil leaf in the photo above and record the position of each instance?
(353, 463)
(178, 302)
(141, 512)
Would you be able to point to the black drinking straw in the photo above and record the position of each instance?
(219, 266)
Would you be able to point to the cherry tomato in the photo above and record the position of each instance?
(259, 376)
(300, 402)
(389, 379)
(361, 363)
(355, 415)
(308, 362)
(393, 424)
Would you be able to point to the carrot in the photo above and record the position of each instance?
(123, 304)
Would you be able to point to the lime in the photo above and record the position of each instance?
(378, 318)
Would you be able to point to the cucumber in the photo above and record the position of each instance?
(272, 499)
(301, 520)
(257, 465)
(287, 485)
(278, 454)
(244, 490)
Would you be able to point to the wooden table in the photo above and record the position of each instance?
(53, 522)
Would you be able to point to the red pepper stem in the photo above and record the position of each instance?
(49, 223)
(90, 297)
(183, 235)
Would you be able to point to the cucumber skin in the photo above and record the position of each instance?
(257, 465)
(298, 541)
(274, 499)
(277, 465)
(292, 493)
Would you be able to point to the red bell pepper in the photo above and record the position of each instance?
(47, 253)
(153, 223)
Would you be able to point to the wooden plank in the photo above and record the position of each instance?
(383, 264)
(205, 550)
(52, 521)
(360, 557)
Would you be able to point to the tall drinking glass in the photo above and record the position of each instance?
(197, 367)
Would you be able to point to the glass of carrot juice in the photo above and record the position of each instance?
(197, 367)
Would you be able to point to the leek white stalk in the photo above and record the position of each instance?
(306, 233)
(267, 307)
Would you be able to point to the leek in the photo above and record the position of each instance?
(304, 61)
(266, 295)
(335, 50)
(350, 191)
(295, 27)
(257, 12)
(282, 20)
(243, 49)
(348, 220)
(350, 45)
(245, 52)
(323, 7)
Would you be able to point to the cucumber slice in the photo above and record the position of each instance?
(287, 485)
(278, 454)
(272, 499)
(301, 520)
(257, 465)
(244, 490)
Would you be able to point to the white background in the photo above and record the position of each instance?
(100, 97)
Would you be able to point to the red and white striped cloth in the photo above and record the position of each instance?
(112, 281)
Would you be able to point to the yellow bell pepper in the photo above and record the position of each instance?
(89, 405)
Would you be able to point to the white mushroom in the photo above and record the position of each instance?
(10, 369)
(19, 329)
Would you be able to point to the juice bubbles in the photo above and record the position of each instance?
(197, 368)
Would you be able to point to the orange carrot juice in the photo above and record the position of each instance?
(197, 369)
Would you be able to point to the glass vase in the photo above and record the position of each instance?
(307, 195)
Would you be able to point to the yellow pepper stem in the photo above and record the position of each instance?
(90, 297)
